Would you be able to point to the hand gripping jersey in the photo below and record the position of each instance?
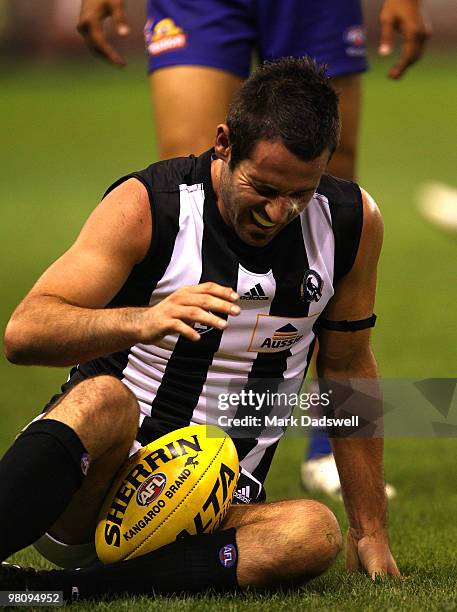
(240, 378)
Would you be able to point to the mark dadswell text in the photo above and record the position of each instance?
(290, 421)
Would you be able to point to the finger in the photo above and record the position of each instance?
(373, 558)
(392, 568)
(411, 51)
(214, 304)
(96, 41)
(193, 314)
(217, 290)
(119, 19)
(386, 40)
(185, 330)
(352, 557)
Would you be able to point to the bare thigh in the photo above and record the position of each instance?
(188, 103)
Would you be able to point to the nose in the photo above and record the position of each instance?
(279, 209)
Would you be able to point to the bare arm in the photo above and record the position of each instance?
(62, 321)
(90, 26)
(348, 355)
(407, 18)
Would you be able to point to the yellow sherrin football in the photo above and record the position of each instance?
(181, 484)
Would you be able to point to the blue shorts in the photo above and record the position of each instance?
(224, 33)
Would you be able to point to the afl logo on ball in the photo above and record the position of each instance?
(311, 287)
(150, 489)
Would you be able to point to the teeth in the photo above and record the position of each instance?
(261, 220)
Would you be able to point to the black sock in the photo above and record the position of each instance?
(39, 474)
(189, 565)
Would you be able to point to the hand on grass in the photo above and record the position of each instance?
(370, 553)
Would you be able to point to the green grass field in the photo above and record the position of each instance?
(70, 130)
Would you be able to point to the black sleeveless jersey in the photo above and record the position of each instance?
(238, 378)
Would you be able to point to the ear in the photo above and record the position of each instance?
(222, 147)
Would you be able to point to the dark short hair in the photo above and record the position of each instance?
(290, 100)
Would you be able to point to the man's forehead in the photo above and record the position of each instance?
(271, 163)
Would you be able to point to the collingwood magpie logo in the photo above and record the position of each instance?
(311, 287)
(201, 328)
(283, 337)
(255, 293)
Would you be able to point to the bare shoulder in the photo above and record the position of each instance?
(371, 237)
(373, 226)
(129, 202)
(131, 191)
(123, 220)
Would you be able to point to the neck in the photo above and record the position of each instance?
(217, 167)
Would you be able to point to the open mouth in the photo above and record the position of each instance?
(261, 220)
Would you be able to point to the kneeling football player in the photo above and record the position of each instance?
(196, 273)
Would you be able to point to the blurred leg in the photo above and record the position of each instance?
(344, 161)
(188, 103)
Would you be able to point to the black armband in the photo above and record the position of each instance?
(347, 326)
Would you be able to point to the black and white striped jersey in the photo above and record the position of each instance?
(283, 288)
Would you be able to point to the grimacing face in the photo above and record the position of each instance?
(266, 191)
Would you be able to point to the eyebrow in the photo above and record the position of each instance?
(260, 185)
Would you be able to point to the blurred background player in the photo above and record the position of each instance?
(199, 54)
(437, 202)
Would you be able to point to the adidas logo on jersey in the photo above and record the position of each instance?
(243, 495)
(255, 293)
(283, 337)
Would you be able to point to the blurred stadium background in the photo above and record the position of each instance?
(71, 125)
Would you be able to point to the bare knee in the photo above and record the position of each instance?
(108, 399)
(109, 405)
(292, 542)
(102, 410)
(314, 539)
(321, 536)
